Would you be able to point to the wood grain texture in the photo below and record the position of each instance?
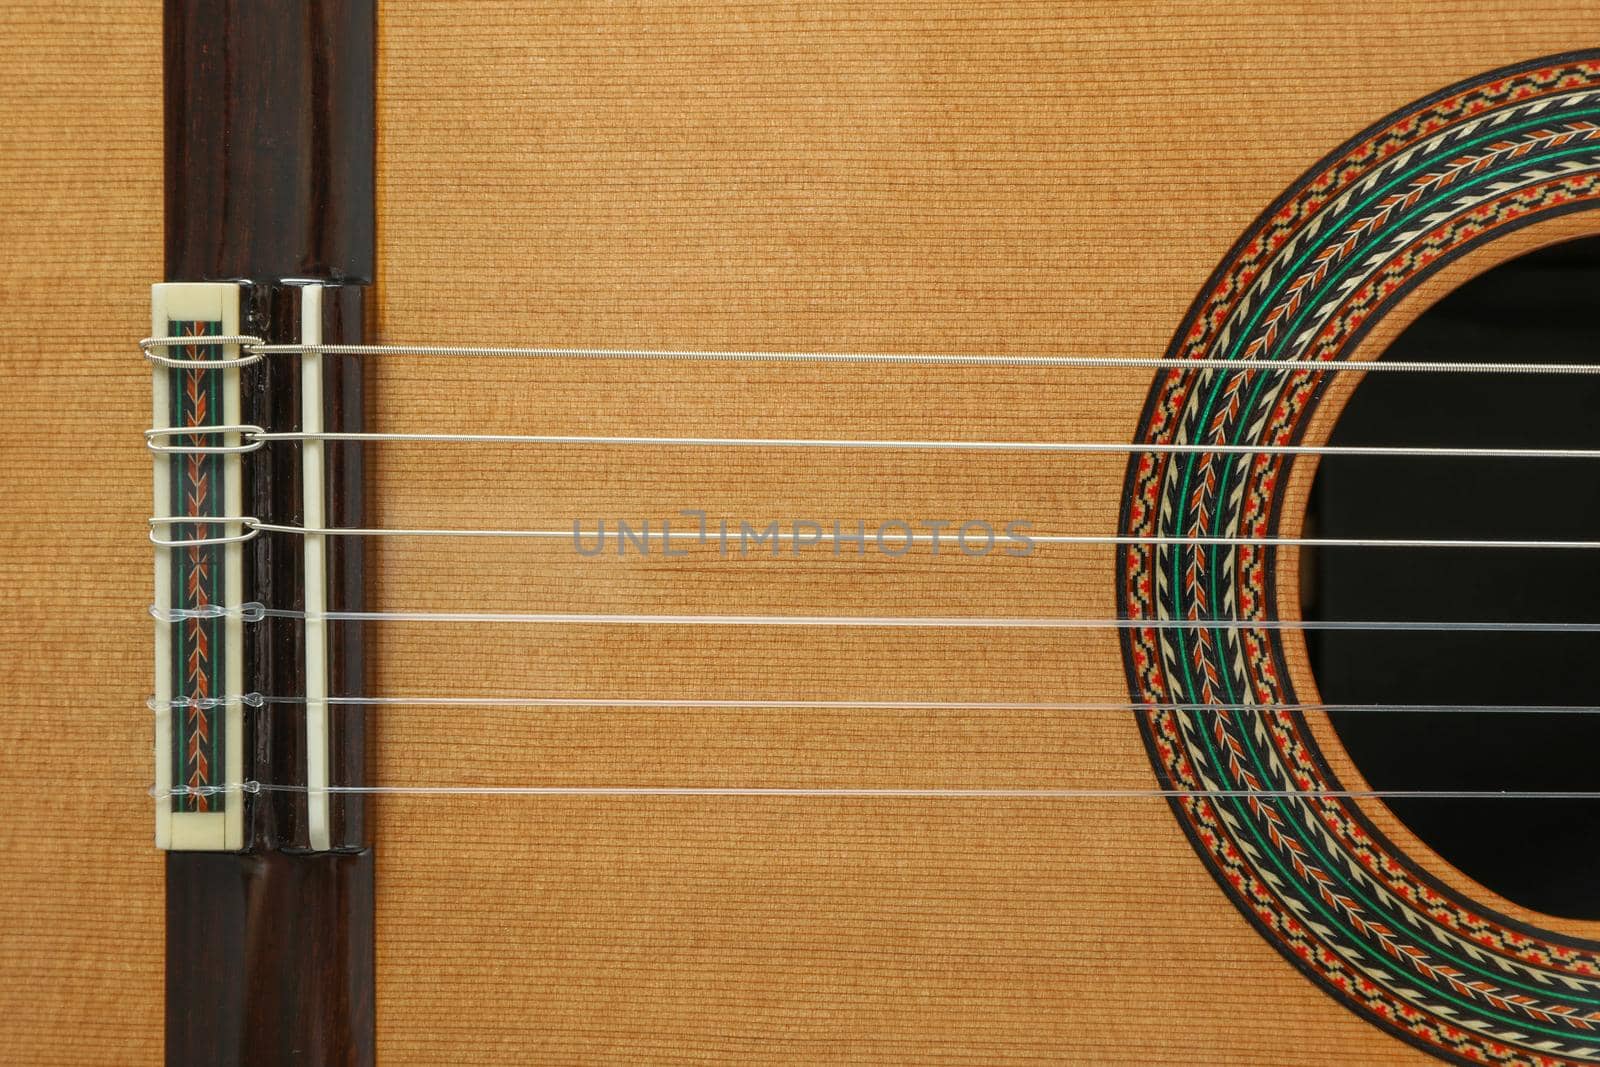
(269, 132)
(991, 177)
(985, 176)
(80, 243)
(269, 958)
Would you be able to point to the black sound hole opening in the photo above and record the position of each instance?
(1544, 308)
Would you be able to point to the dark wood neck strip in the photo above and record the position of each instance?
(270, 133)
(269, 181)
(269, 958)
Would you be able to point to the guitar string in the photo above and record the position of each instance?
(949, 539)
(256, 612)
(1081, 447)
(259, 700)
(252, 786)
(1096, 792)
(255, 349)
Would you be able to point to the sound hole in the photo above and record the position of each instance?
(1545, 853)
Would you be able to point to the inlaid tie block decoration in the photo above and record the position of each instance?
(199, 580)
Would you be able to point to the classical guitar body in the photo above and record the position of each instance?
(894, 712)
